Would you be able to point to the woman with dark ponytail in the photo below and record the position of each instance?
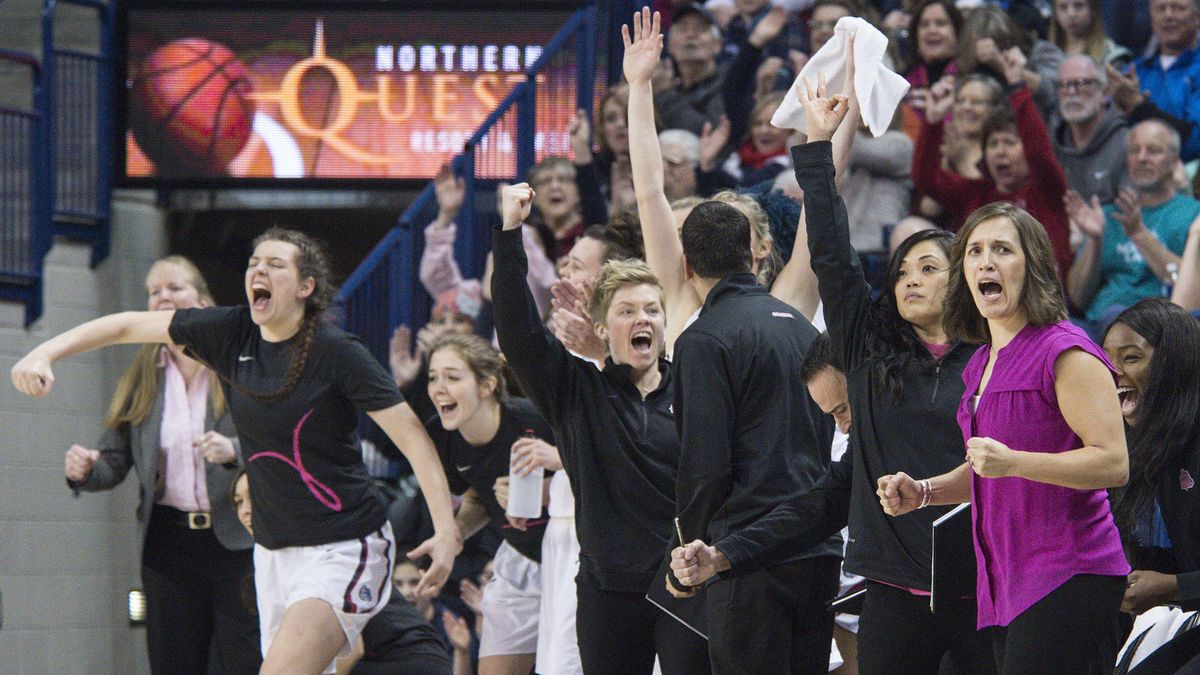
(324, 551)
(1155, 348)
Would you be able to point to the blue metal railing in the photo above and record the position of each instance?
(80, 107)
(24, 187)
(384, 291)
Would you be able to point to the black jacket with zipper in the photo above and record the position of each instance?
(752, 436)
(916, 433)
(620, 450)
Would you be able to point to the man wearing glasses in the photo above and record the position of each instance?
(1088, 135)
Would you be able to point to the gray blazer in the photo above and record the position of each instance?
(138, 447)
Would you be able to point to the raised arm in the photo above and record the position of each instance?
(1083, 279)
(439, 270)
(929, 178)
(664, 252)
(33, 376)
(796, 283)
(544, 367)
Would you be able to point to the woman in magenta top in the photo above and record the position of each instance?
(1042, 426)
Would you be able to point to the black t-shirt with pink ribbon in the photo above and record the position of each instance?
(308, 483)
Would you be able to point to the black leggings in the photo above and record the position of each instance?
(621, 632)
(898, 634)
(1074, 629)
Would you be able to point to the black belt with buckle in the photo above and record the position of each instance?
(193, 520)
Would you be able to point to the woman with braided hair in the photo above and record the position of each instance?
(324, 551)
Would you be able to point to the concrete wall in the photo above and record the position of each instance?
(66, 564)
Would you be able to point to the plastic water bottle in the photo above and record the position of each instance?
(525, 492)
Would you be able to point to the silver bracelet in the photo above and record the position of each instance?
(926, 493)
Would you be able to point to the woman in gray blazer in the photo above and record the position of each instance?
(168, 420)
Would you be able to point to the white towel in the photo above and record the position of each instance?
(879, 89)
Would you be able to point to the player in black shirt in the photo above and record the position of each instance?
(324, 550)
(477, 429)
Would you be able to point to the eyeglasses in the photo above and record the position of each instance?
(1085, 85)
(821, 25)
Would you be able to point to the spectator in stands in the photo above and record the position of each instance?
(976, 97)
(1018, 158)
(933, 47)
(1089, 136)
(1078, 30)
(1155, 348)
(448, 626)
(760, 155)
(439, 271)
(170, 423)
(1186, 293)
(690, 96)
(1133, 246)
(681, 161)
(752, 75)
(877, 188)
(990, 38)
(558, 206)
(746, 19)
(571, 321)
(1169, 79)
(601, 176)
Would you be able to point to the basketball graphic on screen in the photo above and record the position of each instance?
(190, 109)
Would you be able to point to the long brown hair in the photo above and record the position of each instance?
(1041, 298)
(1095, 46)
(138, 388)
(482, 358)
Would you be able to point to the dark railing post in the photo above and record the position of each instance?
(585, 49)
(526, 125)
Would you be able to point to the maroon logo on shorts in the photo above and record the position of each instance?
(1185, 480)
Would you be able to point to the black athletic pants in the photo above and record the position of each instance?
(898, 634)
(773, 620)
(620, 633)
(1072, 630)
(193, 602)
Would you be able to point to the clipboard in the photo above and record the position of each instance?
(687, 611)
(851, 602)
(953, 574)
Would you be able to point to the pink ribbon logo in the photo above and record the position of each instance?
(318, 489)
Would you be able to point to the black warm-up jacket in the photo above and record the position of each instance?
(751, 436)
(620, 451)
(916, 433)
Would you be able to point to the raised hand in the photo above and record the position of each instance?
(516, 201)
(769, 27)
(898, 494)
(1124, 88)
(765, 76)
(32, 375)
(823, 113)
(987, 53)
(713, 140)
(1089, 217)
(939, 99)
(450, 190)
(79, 463)
(457, 631)
(472, 595)
(217, 448)
(405, 363)
(580, 130)
(1014, 61)
(642, 52)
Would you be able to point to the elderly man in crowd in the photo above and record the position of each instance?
(1089, 137)
(1133, 246)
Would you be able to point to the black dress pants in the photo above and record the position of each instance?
(620, 633)
(1074, 629)
(773, 620)
(193, 601)
(898, 634)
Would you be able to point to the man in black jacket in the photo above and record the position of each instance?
(751, 437)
